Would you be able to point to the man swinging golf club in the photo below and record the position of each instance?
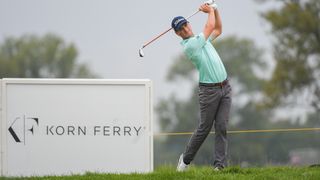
(214, 88)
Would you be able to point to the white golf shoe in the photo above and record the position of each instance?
(181, 165)
(218, 168)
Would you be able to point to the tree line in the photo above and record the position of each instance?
(294, 81)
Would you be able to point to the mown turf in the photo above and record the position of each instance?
(168, 172)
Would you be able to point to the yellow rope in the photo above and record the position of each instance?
(243, 131)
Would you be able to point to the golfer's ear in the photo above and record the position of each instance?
(178, 34)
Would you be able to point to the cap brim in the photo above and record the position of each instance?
(180, 24)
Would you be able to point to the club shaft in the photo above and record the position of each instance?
(156, 38)
(146, 44)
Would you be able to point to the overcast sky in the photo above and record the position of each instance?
(109, 33)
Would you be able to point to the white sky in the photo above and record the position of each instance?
(109, 33)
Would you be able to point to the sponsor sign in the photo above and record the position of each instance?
(60, 126)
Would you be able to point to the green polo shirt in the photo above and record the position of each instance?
(206, 59)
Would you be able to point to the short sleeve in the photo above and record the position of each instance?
(194, 44)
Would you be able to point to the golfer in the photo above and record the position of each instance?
(214, 88)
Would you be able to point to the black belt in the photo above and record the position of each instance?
(221, 84)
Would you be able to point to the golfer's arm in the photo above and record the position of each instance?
(209, 27)
(218, 25)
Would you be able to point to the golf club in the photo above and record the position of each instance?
(141, 53)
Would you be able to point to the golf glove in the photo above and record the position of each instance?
(212, 3)
(214, 6)
(209, 2)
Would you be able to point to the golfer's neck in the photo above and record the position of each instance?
(184, 38)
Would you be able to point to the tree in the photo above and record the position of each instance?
(296, 29)
(49, 56)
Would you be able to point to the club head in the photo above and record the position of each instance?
(141, 54)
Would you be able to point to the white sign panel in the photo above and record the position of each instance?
(57, 127)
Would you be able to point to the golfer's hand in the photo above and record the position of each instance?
(206, 8)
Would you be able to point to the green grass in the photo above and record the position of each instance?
(168, 172)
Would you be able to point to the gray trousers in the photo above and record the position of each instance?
(215, 105)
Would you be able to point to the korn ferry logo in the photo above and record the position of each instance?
(23, 126)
